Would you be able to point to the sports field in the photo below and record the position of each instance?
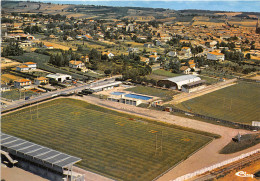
(237, 103)
(113, 144)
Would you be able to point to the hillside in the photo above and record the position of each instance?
(132, 13)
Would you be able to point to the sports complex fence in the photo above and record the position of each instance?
(218, 165)
(234, 124)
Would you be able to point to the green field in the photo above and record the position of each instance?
(165, 73)
(15, 94)
(237, 103)
(42, 63)
(246, 141)
(113, 144)
(165, 95)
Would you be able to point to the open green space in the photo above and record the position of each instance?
(165, 73)
(16, 94)
(165, 95)
(246, 141)
(42, 63)
(237, 103)
(111, 143)
(209, 80)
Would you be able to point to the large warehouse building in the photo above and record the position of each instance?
(178, 82)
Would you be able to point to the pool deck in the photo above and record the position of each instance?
(122, 89)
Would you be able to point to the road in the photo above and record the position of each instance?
(47, 95)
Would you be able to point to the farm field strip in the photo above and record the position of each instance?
(109, 142)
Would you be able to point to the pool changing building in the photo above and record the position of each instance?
(131, 99)
(40, 160)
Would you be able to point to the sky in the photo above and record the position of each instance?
(221, 5)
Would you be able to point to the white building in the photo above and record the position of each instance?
(59, 77)
(178, 82)
(106, 86)
(76, 64)
(215, 56)
(172, 54)
(26, 66)
(31, 65)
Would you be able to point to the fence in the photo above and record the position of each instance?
(237, 125)
(218, 165)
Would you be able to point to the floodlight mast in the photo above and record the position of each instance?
(158, 147)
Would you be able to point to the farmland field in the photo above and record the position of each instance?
(237, 103)
(114, 144)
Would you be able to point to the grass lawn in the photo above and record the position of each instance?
(114, 144)
(15, 94)
(166, 95)
(237, 103)
(32, 57)
(246, 141)
(209, 80)
(165, 73)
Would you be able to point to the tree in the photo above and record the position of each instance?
(107, 71)
(248, 56)
(13, 49)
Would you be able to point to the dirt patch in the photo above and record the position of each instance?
(5, 62)
(12, 174)
(250, 169)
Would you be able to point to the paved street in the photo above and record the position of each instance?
(47, 95)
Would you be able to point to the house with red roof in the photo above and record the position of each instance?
(215, 55)
(22, 83)
(76, 64)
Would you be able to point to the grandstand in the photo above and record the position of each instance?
(43, 161)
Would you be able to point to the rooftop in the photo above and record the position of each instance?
(36, 153)
(181, 78)
(22, 80)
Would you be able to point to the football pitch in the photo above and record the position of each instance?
(114, 144)
(237, 103)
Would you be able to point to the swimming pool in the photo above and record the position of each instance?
(138, 97)
(117, 93)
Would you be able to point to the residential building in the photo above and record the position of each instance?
(172, 54)
(31, 65)
(185, 69)
(22, 68)
(215, 56)
(153, 58)
(41, 80)
(109, 55)
(76, 64)
(186, 51)
(22, 83)
(5, 87)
